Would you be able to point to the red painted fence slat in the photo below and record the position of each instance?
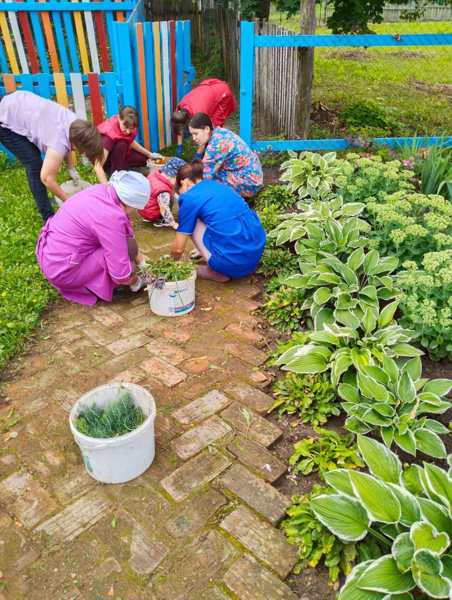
(96, 98)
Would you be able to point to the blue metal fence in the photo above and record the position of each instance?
(249, 41)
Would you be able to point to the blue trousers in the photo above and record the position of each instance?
(30, 156)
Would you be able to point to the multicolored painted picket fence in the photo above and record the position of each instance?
(95, 56)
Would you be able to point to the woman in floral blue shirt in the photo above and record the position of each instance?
(227, 158)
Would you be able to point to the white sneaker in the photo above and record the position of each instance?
(138, 285)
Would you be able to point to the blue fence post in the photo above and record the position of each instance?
(189, 70)
(126, 67)
(246, 81)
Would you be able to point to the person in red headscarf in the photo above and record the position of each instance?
(212, 97)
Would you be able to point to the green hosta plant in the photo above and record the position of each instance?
(311, 397)
(327, 452)
(394, 401)
(343, 291)
(409, 512)
(426, 304)
(340, 349)
(316, 544)
(312, 175)
(323, 226)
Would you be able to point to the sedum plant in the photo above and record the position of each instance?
(275, 195)
(373, 178)
(324, 453)
(393, 402)
(339, 349)
(410, 225)
(407, 511)
(426, 304)
(312, 175)
(311, 397)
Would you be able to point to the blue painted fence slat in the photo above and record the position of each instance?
(125, 65)
(367, 40)
(31, 6)
(3, 62)
(246, 81)
(59, 33)
(75, 64)
(150, 82)
(109, 93)
(180, 59)
(39, 39)
(341, 144)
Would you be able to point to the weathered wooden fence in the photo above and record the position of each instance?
(96, 56)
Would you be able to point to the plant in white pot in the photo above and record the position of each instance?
(170, 285)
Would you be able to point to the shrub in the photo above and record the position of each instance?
(426, 305)
(311, 397)
(363, 115)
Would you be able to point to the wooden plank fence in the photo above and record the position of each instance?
(96, 56)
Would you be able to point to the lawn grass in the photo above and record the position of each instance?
(24, 292)
(412, 86)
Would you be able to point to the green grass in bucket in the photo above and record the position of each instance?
(118, 418)
(168, 269)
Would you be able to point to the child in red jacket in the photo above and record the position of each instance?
(121, 151)
(212, 97)
(158, 209)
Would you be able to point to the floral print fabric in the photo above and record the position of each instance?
(229, 159)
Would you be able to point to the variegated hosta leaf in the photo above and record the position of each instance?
(381, 461)
(342, 515)
(351, 591)
(403, 551)
(376, 497)
(425, 537)
(339, 479)
(439, 485)
(382, 575)
(436, 514)
(430, 443)
(427, 570)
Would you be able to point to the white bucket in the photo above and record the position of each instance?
(119, 459)
(174, 299)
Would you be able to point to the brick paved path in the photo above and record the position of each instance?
(200, 524)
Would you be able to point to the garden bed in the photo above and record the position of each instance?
(398, 229)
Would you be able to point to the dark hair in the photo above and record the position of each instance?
(180, 119)
(86, 139)
(192, 171)
(200, 120)
(129, 116)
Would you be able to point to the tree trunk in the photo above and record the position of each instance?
(306, 67)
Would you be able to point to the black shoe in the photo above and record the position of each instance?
(161, 223)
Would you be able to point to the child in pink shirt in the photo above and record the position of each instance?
(121, 151)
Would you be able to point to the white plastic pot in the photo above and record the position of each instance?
(174, 299)
(118, 459)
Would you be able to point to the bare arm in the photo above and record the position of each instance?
(178, 247)
(49, 171)
(139, 148)
(99, 169)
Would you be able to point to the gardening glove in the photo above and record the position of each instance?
(74, 176)
(138, 285)
(179, 150)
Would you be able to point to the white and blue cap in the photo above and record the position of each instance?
(172, 167)
(132, 188)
